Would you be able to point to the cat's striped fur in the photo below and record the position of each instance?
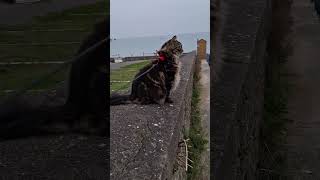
(157, 81)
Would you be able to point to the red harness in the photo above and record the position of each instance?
(162, 57)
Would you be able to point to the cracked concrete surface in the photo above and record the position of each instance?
(53, 157)
(205, 117)
(62, 157)
(144, 138)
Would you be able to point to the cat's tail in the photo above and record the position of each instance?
(19, 121)
(118, 99)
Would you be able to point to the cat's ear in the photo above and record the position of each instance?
(174, 38)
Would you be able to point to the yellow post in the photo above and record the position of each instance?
(201, 49)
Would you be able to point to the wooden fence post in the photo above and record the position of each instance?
(201, 49)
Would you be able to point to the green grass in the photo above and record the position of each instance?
(77, 28)
(15, 77)
(197, 140)
(94, 9)
(125, 73)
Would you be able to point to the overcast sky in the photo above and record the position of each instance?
(134, 18)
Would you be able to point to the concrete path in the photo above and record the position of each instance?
(55, 157)
(12, 14)
(303, 141)
(205, 117)
(114, 66)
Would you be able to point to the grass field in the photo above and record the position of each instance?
(125, 73)
(14, 77)
(53, 37)
(69, 27)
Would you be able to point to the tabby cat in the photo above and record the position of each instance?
(154, 82)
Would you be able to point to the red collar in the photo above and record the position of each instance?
(162, 57)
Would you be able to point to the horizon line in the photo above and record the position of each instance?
(158, 35)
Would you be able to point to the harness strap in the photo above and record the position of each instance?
(153, 65)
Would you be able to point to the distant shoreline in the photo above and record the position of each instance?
(147, 46)
(137, 58)
(150, 36)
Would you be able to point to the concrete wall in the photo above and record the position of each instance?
(237, 88)
(136, 58)
(144, 138)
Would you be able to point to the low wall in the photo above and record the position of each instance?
(144, 138)
(137, 58)
(237, 91)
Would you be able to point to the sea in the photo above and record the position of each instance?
(146, 46)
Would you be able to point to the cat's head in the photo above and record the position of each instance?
(172, 46)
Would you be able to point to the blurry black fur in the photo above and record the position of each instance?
(88, 80)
